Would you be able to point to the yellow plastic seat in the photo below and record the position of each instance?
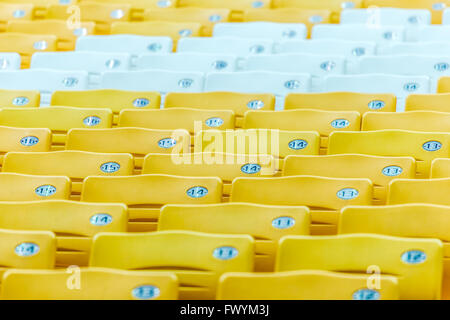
(140, 3)
(22, 187)
(100, 15)
(14, 12)
(19, 98)
(440, 168)
(227, 167)
(423, 146)
(26, 45)
(58, 119)
(304, 285)
(266, 224)
(22, 139)
(116, 100)
(26, 250)
(145, 194)
(237, 102)
(436, 7)
(324, 122)
(443, 85)
(76, 165)
(137, 141)
(324, 196)
(66, 37)
(428, 102)
(278, 143)
(342, 101)
(198, 259)
(428, 121)
(174, 30)
(73, 222)
(289, 15)
(434, 191)
(406, 220)
(380, 170)
(336, 6)
(207, 17)
(88, 284)
(417, 263)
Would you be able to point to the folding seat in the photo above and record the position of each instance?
(116, 100)
(26, 250)
(44, 80)
(153, 80)
(324, 196)
(76, 165)
(190, 62)
(316, 65)
(278, 143)
(198, 259)
(425, 48)
(95, 284)
(434, 191)
(386, 16)
(145, 194)
(304, 285)
(23, 139)
(9, 61)
(15, 11)
(336, 6)
(436, 7)
(407, 220)
(380, 170)
(66, 37)
(446, 17)
(26, 45)
(428, 121)
(342, 101)
(378, 34)
(417, 263)
(207, 17)
(174, 30)
(277, 83)
(131, 44)
(100, 15)
(443, 85)
(401, 86)
(428, 102)
(289, 15)
(324, 122)
(73, 222)
(142, 3)
(241, 47)
(22, 187)
(227, 167)
(266, 224)
(440, 168)
(267, 30)
(19, 98)
(137, 141)
(422, 146)
(432, 33)
(58, 119)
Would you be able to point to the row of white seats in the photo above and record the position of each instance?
(280, 84)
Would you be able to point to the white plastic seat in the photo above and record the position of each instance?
(386, 16)
(432, 33)
(446, 16)
(188, 62)
(226, 45)
(378, 34)
(44, 80)
(132, 44)
(280, 84)
(401, 86)
(431, 48)
(269, 30)
(9, 61)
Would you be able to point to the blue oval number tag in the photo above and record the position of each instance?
(92, 121)
(29, 141)
(414, 257)
(432, 146)
(100, 219)
(251, 168)
(20, 101)
(298, 144)
(45, 191)
(26, 249)
(141, 102)
(340, 123)
(197, 192)
(366, 294)
(167, 143)
(214, 122)
(392, 171)
(376, 105)
(146, 292)
(110, 167)
(283, 222)
(225, 253)
(347, 194)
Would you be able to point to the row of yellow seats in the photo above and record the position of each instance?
(405, 268)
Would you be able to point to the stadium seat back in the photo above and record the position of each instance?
(440, 168)
(432, 191)
(427, 121)
(428, 102)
